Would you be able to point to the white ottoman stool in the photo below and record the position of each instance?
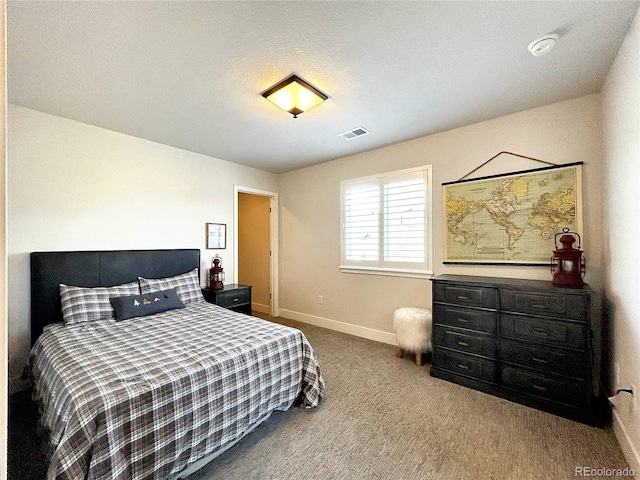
(413, 331)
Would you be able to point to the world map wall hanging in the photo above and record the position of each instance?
(511, 218)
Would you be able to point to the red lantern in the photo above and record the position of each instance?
(217, 274)
(567, 263)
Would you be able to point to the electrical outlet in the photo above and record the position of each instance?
(321, 299)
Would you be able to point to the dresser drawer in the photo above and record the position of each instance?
(544, 331)
(483, 297)
(553, 305)
(569, 363)
(236, 297)
(467, 365)
(572, 392)
(465, 341)
(480, 320)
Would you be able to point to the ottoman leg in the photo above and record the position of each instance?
(400, 353)
(419, 359)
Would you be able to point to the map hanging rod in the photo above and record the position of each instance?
(497, 155)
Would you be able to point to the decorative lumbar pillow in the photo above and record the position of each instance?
(84, 304)
(146, 304)
(187, 286)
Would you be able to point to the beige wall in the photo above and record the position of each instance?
(621, 107)
(564, 132)
(73, 186)
(254, 242)
(3, 248)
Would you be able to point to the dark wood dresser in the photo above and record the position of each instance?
(528, 341)
(233, 296)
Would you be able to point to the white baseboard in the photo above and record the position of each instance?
(629, 450)
(356, 330)
(259, 307)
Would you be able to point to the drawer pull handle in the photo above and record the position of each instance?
(236, 299)
(539, 331)
(538, 360)
(463, 344)
(538, 305)
(463, 366)
(462, 297)
(539, 387)
(463, 320)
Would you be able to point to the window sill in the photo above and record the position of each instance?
(388, 272)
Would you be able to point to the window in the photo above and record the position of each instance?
(386, 223)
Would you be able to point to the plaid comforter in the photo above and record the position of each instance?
(147, 397)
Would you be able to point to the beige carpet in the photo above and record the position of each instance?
(386, 418)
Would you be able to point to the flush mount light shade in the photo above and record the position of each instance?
(294, 95)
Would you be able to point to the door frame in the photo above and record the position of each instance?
(274, 241)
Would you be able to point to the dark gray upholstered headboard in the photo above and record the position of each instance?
(96, 269)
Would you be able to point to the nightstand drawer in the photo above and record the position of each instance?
(539, 330)
(467, 365)
(466, 295)
(561, 390)
(562, 362)
(230, 299)
(235, 297)
(465, 341)
(565, 306)
(480, 320)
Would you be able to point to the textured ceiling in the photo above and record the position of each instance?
(190, 74)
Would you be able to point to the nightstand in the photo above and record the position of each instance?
(234, 297)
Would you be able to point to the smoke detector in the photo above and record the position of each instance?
(543, 45)
(354, 133)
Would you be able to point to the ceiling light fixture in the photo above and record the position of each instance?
(543, 45)
(294, 95)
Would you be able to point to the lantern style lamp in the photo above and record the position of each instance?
(294, 95)
(567, 263)
(217, 274)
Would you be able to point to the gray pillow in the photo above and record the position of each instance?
(83, 304)
(132, 306)
(186, 284)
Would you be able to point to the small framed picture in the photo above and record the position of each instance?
(216, 235)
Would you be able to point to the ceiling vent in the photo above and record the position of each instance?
(354, 133)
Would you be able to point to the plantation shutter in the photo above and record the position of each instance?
(404, 220)
(385, 220)
(361, 223)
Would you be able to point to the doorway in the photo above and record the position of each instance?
(255, 257)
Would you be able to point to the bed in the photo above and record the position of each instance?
(157, 395)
